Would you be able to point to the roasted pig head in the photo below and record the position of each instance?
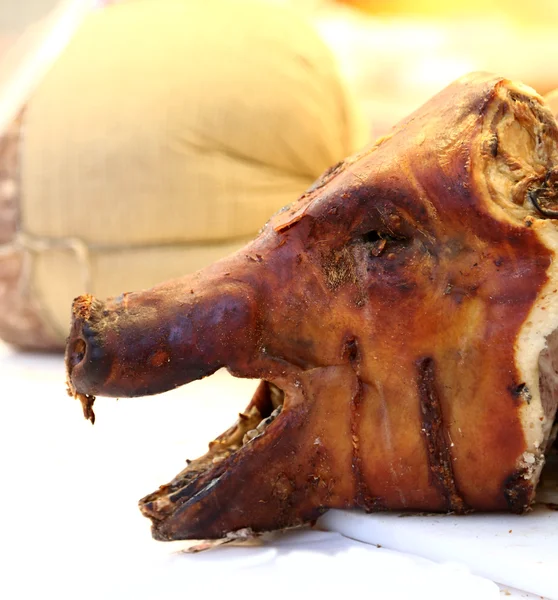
(400, 315)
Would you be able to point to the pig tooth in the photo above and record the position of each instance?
(250, 435)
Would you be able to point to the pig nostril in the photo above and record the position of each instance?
(78, 352)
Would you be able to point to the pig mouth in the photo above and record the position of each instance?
(93, 370)
(260, 419)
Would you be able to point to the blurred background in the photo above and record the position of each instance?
(143, 139)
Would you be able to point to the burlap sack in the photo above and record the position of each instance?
(162, 139)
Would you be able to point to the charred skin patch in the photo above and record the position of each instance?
(518, 491)
(544, 194)
(434, 429)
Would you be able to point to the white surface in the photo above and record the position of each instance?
(71, 527)
(520, 551)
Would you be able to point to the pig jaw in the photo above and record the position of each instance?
(281, 472)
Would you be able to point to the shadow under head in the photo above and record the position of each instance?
(401, 318)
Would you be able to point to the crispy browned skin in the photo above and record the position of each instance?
(384, 303)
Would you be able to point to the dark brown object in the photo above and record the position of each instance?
(399, 314)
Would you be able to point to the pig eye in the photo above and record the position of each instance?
(371, 237)
(377, 242)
